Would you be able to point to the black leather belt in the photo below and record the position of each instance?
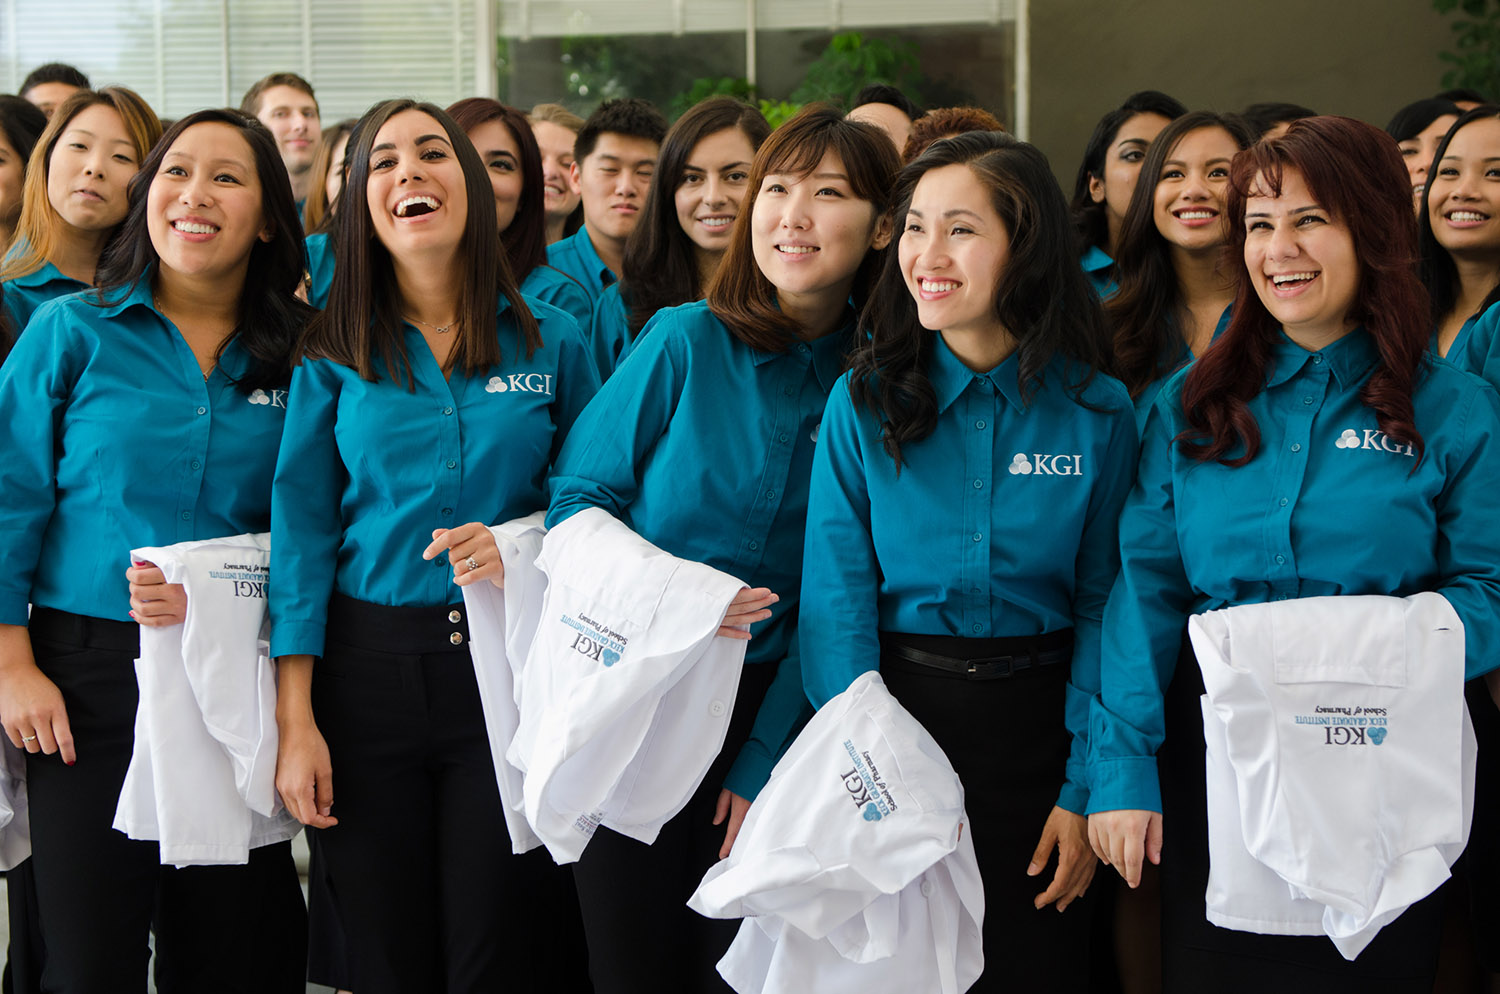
(1029, 654)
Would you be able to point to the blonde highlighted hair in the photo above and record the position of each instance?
(37, 230)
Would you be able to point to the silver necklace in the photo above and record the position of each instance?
(437, 329)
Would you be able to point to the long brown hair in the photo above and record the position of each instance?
(661, 268)
(1144, 312)
(36, 236)
(740, 295)
(1355, 171)
(361, 327)
(526, 239)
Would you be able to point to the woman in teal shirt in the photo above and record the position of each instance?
(701, 178)
(429, 403)
(147, 413)
(1458, 228)
(1316, 450)
(702, 443)
(964, 499)
(1174, 290)
(74, 203)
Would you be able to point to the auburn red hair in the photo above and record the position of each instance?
(1355, 172)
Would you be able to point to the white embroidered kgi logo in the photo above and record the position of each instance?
(521, 382)
(273, 398)
(1371, 438)
(1044, 464)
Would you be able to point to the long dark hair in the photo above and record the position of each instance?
(525, 240)
(269, 317)
(1439, 274)
(1090, 218)
(740, 294)
(316, 210)
(361, 326)
(1143, 313)
(660, 266)
(1042, 298)
(1355, 171)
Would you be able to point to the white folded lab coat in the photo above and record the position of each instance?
(1340, 761)
(853, 870)
(502, 625)
(627, 691)
(202, 775)
(15, 811)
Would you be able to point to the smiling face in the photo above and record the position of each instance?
(713, 185)
(204, 209)
(954, 245)
(91, 166)
(1301, 261)
(809, 233)
(1189, 195)
(1417, 152)
(555, 142)
(292, 116)
(614, 179)
(501, 154)
(1122, 166)
(416, 194)
(1464, 195)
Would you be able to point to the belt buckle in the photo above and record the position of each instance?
(995, 662)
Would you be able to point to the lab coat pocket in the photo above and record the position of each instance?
(1374, 656)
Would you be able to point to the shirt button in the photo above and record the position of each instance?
(787, 391)
(1281, 560)
(1308, 401)
(980, 424)
(187, 515)
(978, 484)
(770, 495)
(1296, 446)
(452, 463)
(1317, 360)
(1283, 502)
(979, 536)
(455, 616)
(754, 546)
(978, 628)
(447, 511)
(457, 638)
(202, 410)
(195, 464)
(447, 411)
(782, 438)
(716, 709)
(927, 888)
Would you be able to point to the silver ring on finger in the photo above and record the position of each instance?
(28, 738)
(471, 563)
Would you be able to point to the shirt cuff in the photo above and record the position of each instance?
(297, 638)
(1073, 797)
(750, 772)
(1124, 785)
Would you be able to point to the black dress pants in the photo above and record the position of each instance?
(100, 893)
(642, 937)
(1008, 744)
(430, 896)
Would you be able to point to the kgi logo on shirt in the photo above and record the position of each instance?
(1346, 725)
(273, 398)
(1370, 438)
(521, 383)
(1043, 464)
(594, 640)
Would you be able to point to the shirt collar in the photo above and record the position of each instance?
(1094, 259)
(585, 246)
(1349, 359)
(48, 273)
(950, 377)
(828, 351)
(139, 296)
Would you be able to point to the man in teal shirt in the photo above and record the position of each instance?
(613, 160)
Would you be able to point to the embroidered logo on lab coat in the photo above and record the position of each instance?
(864, 785)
